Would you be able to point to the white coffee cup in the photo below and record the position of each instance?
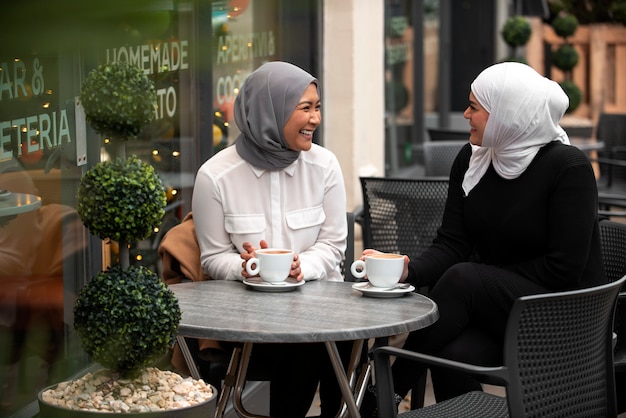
(272, 264)
(381, 269)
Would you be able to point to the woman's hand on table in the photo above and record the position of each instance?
(405, 271)
(295, 272)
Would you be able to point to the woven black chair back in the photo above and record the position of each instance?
(402, 215)
(439, 156)
(560, 347)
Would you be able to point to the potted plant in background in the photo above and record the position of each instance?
(565, 57)
(126, 317)
(516, 33)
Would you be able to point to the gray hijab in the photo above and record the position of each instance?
(264, 104)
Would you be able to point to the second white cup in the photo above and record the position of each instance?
(381, 269)
(272, 264)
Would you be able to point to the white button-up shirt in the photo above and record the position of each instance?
(301, 207)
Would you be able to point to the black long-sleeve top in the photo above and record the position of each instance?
(542, 225)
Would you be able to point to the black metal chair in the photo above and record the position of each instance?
(611, 130)
(402, 215)
(439, 156)
(613, 241)
(440, 134)
(558, 361)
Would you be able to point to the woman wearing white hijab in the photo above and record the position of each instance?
(520, 218)
(276, 188)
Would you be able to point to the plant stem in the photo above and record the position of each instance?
(124, 254)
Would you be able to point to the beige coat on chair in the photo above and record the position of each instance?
(180, 257)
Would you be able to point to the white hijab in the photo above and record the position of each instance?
(524, 113)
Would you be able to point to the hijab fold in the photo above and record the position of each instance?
(264, 104)
(524, 113)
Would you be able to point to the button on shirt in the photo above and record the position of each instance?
(301, 207)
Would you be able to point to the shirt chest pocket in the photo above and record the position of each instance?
(305, 224)
(242, 228)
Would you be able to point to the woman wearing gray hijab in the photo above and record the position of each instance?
(521, 218)
(275, 187)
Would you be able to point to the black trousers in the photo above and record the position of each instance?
(294, 373)
(474, 302)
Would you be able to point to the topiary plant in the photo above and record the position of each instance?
(565, 25)
(574, 94)
(516, 33)
(126, 319)
(121, 200)
(565, 58)
(125, 316)
(119, 100)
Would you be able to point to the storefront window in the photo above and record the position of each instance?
(409, 31)
(248, 33)
(46, 254)
(165, 53)
(39, 248)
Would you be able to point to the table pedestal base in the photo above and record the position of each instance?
(352, 382)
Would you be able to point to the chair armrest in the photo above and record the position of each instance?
(384, 379)
(498, 373)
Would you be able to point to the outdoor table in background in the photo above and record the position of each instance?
(586, 144)
(13, 204)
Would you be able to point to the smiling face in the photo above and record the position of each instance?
(304, 120)
(477, 117)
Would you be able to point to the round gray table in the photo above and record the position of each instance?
(318, 311)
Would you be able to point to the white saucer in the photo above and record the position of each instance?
(259, 284)
(381, 292)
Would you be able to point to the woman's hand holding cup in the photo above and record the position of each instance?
(272, 265)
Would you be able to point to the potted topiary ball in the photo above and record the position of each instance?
(125, 316)
(121, 201)
(565, 57)
(516, 33)
(574, 93)
(122, 339)
(565, 25)
(119, 100)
